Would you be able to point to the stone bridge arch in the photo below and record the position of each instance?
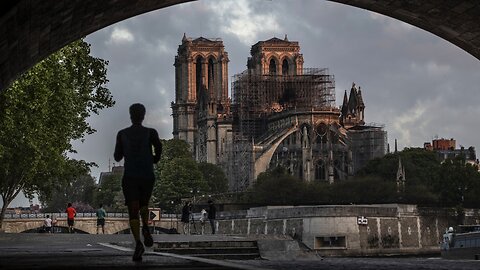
(31, 30)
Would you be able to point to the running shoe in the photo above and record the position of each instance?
(139, 250)
(147, 237)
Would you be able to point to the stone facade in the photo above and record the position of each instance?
(335, 230)
(281, 114)
(202, 107)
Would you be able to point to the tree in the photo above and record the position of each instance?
(214, 176)
(421, 168)
(79, 187)
(177, 175)
(110, 192)
(456, 178)
(278, 187)
(41, 113)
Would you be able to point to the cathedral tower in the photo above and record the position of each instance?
(353, 108)
(276, 57)
(201, 94)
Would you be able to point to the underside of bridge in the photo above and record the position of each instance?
(31, 30)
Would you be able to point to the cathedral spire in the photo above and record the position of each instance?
(184, 37)
(400, 176)
(352, 100)
(345, 104)
(360, 98)
(286, 38)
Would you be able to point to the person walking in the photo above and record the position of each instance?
(101, 214)
(203, 217)
(71, 214)
(134, 144)
(212, 212)
(186, 211)
(47, 224)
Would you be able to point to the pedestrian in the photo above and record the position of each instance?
(203, 217)
(71, 214)
(186, 211)
(134, 144)
(47, 224)
(54, 223)
(212, 212)
(101, 218)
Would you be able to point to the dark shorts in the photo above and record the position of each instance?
(137, 189)
(48, 229)
(101, 222)
(70, 222)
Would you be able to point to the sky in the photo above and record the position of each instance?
(418, 85)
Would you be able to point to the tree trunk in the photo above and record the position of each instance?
(7, 199)
(4, 209)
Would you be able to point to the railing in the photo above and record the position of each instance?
(79, 215)
(60, 215)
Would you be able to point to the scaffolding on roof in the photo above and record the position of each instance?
(367, 142)
(256, 97)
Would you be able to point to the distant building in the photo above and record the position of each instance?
(32, 209)
(116, 170)
(446, 149)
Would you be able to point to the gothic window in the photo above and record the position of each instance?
(273, 67)
(285, 67)
(320, 171)
(210, 74)
(198, 74)
(322, 133)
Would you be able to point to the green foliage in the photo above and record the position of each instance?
(110, 193)
(420, 165)
(278, 187)
(215, 177)
(177, 175)
(457, 183)
(78, 187)
(363, 191)
(41, 113)
(175, 148)
(429, 182)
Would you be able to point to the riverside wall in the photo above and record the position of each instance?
(349, 230)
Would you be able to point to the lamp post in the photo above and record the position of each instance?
(461, 210)
(194, 191)
(171, 215)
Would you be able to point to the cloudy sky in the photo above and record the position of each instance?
(418, 85)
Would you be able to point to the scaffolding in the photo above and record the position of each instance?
(258, 97)
(367, 142)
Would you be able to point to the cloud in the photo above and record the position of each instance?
(239, 19)
(120, 35)
(391, 25)
(431, 68)
(412, 120)
(416, 83)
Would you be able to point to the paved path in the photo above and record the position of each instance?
(82, 251)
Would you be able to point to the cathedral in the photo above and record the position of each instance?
(280, 114)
